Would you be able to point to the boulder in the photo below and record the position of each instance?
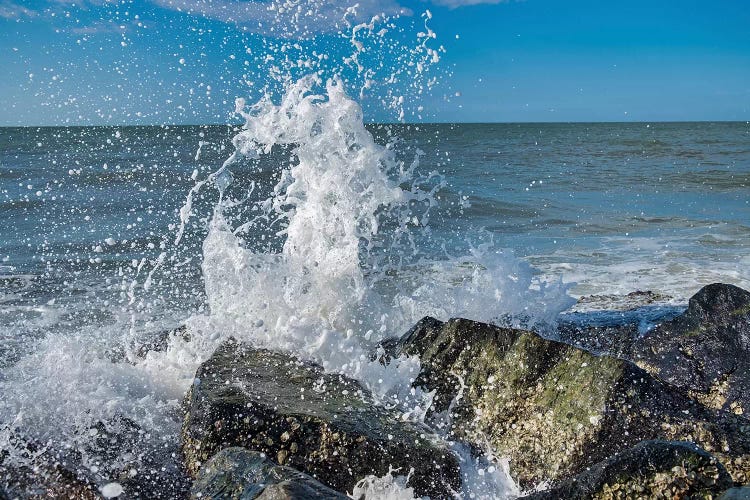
(322, 424)
(555, 409)
(706, 350)
(239, 474)
(651, 469)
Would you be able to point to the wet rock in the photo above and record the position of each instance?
(157, 342)
(614, 339)
(237, 473)
(116, 450)
(554, 409)
(651, 469)
(129, 456)
(706, 350)
(322, 424)
(161, 340)
(632, 300)
(35, 473)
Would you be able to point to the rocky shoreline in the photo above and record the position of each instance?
(600, 412)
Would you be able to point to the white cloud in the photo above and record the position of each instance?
(10, 10)
(285, 17)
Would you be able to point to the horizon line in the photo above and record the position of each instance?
(562, 122)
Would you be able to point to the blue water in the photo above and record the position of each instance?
(613, 207)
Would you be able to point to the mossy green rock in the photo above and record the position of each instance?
(554, 409)
(651, 469)
(240, 474)
(322, 424)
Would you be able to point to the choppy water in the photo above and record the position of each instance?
(612, 207)
(318, 263)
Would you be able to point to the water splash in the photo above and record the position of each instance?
(326, 257)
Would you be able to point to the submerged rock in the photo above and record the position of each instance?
(554, 409)
(651, 469)
(706, 350)
(240, 474)
(322, 424)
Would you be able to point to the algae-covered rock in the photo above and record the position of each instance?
(706, 350)
(554, 409)
(651, 469)
(322, 424)
(239, 474)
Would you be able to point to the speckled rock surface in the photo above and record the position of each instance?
(322, 424)
(706, 350)
(554, 409)
(116, 446)
(240, 474)
(651, 469)
(38, 474)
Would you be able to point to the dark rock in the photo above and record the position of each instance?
(554, 409)
(322, 424)
(35, 473)
(237, 473)
(632, 300)
(160, 341)
(706, 350)
(118, 446)
(614, 339)
(157, 342)
(651, 469)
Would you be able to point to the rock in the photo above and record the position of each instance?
(610, 339)
(706, 350)
(35, 473)
(157, 342)
(322, 424)
(237, 473)
(118, 447)
(554, 409)
(632, 300)
(651, 469)
(130, 458)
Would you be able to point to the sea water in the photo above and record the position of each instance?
(88, 211)
(306, 230)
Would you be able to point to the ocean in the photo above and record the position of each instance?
(111, 236)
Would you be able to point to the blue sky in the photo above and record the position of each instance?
(185, 61)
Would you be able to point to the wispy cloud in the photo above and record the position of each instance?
(100, 27)
(10, 10)
(286, 17)
(453, 4)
